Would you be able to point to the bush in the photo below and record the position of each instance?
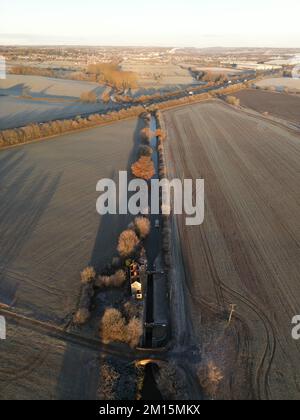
(146, 134)
(232, 100)
(116, 280)
(161, 134)
(162, 173)
(146, 117)
(210, 378)
(134, 332)
(128, 242)
(160, 148)
(145, 151)
(113, 326)
(81, 316)
(108, 379)
(143, 168)
(102, 282)
(83, 313)
(105, 97)
(88, 275)
(132, 309)
(88, 97)
(110, 74)
(142, 226)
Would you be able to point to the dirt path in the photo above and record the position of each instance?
(247, 251)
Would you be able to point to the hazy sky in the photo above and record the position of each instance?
(199, 23)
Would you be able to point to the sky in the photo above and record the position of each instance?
(185, 23)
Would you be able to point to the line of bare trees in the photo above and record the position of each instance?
(125, 325)
(53, 128)
(218, 81)
(200, 97)
(214, 77)
(83, 313)
(32, 71)
(112, 75)
(107, 73)
(117, 325)
(113, 325)
(166, 224)
(144, 167)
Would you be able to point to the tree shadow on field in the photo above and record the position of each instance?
(15, 90)
(25, 194)
(80, 377)
(47, 111)
(111, 226)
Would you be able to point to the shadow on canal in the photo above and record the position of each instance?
(150, 391)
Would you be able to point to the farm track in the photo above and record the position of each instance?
(199, 137)
(62, 334)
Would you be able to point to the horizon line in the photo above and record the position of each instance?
(149, 46)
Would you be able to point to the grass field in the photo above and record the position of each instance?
(47, 99)
(280, 105)
(17, 112)
(159, 75)
(247, 251)
(49, 228)
(46, 87)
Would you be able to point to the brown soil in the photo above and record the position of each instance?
(247, 251)
(280, 105)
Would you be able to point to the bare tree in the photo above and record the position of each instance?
(128, 242)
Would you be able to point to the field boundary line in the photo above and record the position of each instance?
(287, 125)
